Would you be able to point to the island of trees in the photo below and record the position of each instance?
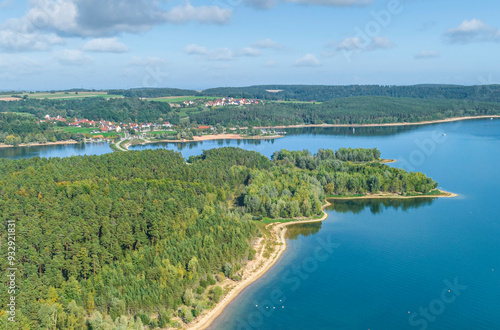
(143, 238)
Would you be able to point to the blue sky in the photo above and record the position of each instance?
(59, 44)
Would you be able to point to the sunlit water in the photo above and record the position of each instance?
(382, 264)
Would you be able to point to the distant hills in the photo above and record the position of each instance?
(323, 93)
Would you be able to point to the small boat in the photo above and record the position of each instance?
(444, 134)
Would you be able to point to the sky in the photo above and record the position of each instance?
(199, 44)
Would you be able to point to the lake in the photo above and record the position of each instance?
(381, 264)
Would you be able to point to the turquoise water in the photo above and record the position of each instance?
(372, 262)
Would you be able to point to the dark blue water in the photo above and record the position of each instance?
(387, 264)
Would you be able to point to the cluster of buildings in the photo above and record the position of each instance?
(146, 126)
(105, 126)
(229, 101)
(79, 122)
(49, 119)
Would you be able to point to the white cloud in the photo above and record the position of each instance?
(268, 44)
(12, 41)
(193, 49)
(474, 30)
(426, 54)
(146, 62)
(358, 44)
(248, 51)
(221, 54)
(103, 18)
(268, 4)
(105, 45)
(6, 4)
(260, 4)
(380, 43)
(349, 44)
(204, 14)
(72, 57)
(307, 60)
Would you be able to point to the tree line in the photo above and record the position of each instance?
(95, 108)
(351, 110)
(322, 93)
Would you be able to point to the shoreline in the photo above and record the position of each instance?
(279, 240)
(278, 237)
(205, 138)
(37, 144)
(444, 194)
(427, 122)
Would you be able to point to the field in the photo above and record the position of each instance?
(161, 132)
(59, 95)
(87, 130)
(25, 114)
(108, 134)
(76, 130)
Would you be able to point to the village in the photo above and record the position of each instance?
(133, 133)
(104, 126)
(228, 101)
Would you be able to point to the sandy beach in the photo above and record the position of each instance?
(444, 194)
(222, 137)
(387, 124)
(39, 144)
(260, 265)
(254, 269)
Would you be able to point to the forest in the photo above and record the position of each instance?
(17, 128)
(321, 93)
(350, 110)
(95, 108)
(139, 238)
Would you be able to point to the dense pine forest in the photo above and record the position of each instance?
(351, 110)
(322, 93)
(137, 238)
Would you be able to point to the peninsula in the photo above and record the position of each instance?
(143, 237)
